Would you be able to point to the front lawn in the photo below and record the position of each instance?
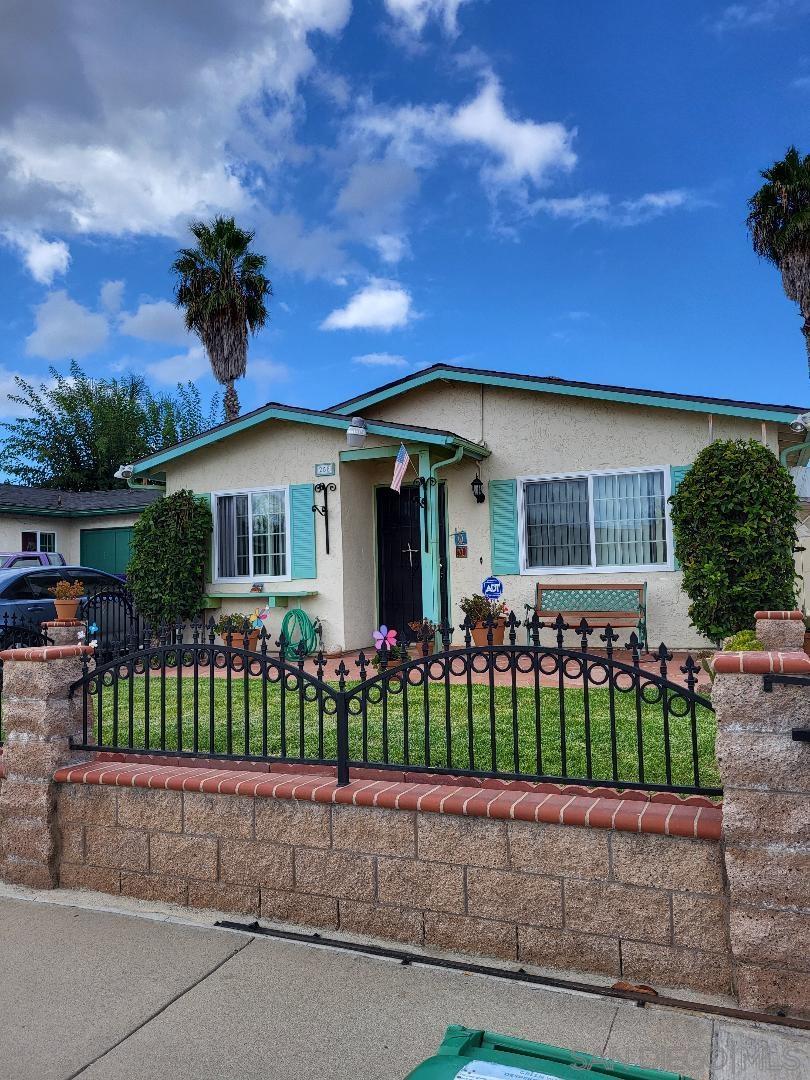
(463, 741)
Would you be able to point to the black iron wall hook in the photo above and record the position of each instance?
(324, 510)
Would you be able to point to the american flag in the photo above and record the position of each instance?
(400, 465)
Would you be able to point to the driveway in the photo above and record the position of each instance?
(104, 995)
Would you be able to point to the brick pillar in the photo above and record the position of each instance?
(766, 817)
(39, 719)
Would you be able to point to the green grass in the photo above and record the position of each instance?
(516, 743)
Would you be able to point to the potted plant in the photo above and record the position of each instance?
(235, 625)
(66, 596)
(479, 611)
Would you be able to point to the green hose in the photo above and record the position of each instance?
(296, 628)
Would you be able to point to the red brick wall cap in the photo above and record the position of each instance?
(775, 616)
(762, 663)
(42, 653)
(698, 822)
(63, 622)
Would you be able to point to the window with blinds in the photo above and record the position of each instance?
(598, 521)
(252, 534)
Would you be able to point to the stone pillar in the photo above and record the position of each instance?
(64, 631)
(39, 719)
(766, 817)
(780, 631)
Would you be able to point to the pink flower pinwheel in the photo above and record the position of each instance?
(386, 637)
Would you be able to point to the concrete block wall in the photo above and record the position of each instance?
(643, 906)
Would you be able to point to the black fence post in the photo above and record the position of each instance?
(342, 718)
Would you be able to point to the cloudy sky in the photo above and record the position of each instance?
(516, 184)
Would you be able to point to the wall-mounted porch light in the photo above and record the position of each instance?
(356, 433)
(477, 487)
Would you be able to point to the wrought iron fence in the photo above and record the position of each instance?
(517, 711)
(113, 613)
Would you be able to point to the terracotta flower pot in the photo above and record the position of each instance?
(480, 632)
(66, 609)
(253, 641)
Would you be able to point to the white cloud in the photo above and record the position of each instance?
(515, 151)
(380, 305)
(111, 296)
(157, 320)
(65, 329)
(414, 14)
(117, 120)
(380, 359)
(600, 207)
(8, 408)
(267, 371)
(43, 259)
(758, 14)
(181, 367)
(391, 247)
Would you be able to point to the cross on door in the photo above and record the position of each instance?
(410, 552)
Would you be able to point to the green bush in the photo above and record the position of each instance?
(734, 522)
(743, 641)
(170, 546)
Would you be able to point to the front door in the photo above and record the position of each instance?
(399, 558)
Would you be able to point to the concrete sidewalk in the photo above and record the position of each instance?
(103, 995)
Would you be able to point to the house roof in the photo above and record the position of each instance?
(16, 498)
(549, 384)
(274, 410)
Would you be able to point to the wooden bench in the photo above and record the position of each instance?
(621, 606)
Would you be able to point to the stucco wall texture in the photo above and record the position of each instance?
(528, 433)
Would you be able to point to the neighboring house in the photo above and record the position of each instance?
(576, 479)
(91, 528)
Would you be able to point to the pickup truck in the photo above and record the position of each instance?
(17, 560)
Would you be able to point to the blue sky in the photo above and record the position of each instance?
(549, 188)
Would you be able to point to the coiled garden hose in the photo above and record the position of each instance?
(298, 628)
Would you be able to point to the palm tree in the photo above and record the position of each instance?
(221, 285)
(779, 223)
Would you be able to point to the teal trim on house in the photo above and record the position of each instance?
(676, 474)
(273, 411)
(503, 527)
(25, 511)
(627, 395)
(302, 532)
(430, 558)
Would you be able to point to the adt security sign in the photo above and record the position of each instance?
(492, 588)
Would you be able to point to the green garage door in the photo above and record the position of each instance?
(106, 549)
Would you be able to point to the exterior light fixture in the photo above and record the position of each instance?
(356, 433)
(801, 424)
(477, 488)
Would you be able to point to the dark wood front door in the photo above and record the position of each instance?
(399, 558)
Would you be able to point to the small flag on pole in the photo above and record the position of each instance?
(400, 465)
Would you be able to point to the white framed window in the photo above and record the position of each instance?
(252, 534)
(595, 522)
(38, 541)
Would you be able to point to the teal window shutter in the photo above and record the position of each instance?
(676, 474)
(205, 497)
(302, 531)
(503, 527)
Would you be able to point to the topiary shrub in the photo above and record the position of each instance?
(170, 545)
(734, 523)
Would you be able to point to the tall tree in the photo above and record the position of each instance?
(222, 287)
(75, 431)
(779, 223)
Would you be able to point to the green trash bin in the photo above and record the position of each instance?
(483, 1055)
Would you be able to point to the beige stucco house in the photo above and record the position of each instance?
(575, 476)
(91, 528)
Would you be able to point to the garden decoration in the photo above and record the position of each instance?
(384, 638)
